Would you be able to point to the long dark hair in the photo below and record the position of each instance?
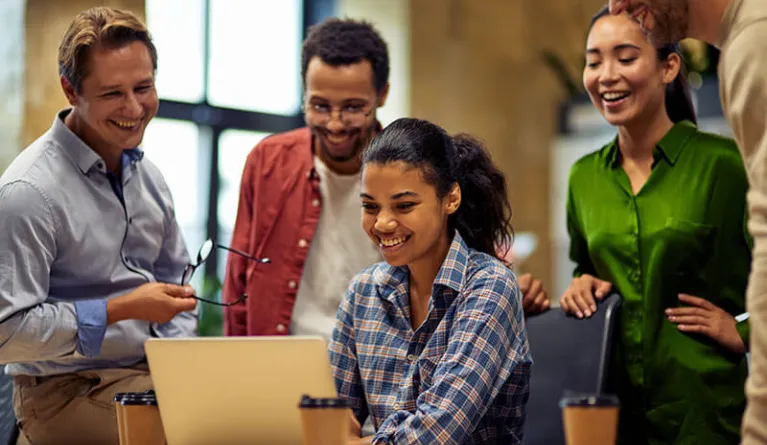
(678, 99)
(484, 216)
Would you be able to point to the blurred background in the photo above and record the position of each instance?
(508, 71)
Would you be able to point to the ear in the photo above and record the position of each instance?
(453, 199)
(671, 67)
(383, 95)
(69, 91)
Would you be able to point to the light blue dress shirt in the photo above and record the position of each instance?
(69, 243)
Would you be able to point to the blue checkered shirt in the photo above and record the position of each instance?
(462, 377)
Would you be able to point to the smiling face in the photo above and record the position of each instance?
(402, 214)
(350, 89)
(117, 98)
(666, 21)
(623, 76)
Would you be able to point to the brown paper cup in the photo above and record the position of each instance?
(590, 419)
(324, 421)
(138, 420)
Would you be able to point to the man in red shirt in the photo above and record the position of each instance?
(300, 194)
(299, 199)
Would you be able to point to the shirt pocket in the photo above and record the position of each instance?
(689, 248)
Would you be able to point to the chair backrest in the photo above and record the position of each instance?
(569, 355)
(8, 430)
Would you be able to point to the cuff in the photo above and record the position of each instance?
(744, 330)
(91, 326)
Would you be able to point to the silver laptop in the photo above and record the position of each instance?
(237, 390)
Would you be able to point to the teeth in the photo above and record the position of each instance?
(614, 96)
(392, 241)
(126, 124)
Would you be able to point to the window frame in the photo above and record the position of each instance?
(212, 121)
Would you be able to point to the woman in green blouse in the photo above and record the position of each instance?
(659, 215)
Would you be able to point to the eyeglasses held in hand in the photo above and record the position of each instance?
(202, 256)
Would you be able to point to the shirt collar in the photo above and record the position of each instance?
(727, 23)
(80, 153)
(669, 147)
(452, 273)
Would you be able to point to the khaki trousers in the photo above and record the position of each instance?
(76, 408)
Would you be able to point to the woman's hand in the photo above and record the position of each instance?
(355, 431)
(581, 296)
(534, 297)
(704, 317)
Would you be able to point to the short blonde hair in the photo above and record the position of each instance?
(99, 26)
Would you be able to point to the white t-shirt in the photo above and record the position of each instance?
(339, 250)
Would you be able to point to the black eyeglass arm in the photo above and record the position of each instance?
(242, 299)
(241, 253)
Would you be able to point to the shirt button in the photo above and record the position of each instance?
(280, 328)
(396, 407)
(302, 243)
(130, 220)
(315, 202)
(411, 358)
(292, 284)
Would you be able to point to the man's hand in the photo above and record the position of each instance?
(580, 298)
(618, 6)
(704, 317)
(153, 302)
(534, 297)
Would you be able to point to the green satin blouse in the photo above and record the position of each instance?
(683, 232)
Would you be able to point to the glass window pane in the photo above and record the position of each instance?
(233, 148)
(177, 29)
(174, 146)
(254, 60)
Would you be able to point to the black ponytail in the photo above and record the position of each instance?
(678, 99)
(484, 216)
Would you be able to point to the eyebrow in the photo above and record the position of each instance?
(146, 81)
(347, 100)
(620, 47)
(399, 195)
(404, 194)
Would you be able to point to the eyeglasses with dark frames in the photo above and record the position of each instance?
(202, 255)
(352, 116)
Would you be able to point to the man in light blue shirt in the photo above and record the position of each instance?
(89, 242)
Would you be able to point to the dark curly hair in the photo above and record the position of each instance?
(340, 42)
(484, 216)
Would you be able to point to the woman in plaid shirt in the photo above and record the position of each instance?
(431, 344)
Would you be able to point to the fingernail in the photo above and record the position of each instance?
(588, 313)
(668, 311)
(580, 315)
(594, 307)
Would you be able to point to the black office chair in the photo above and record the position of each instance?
(568, 355)
(9, 431)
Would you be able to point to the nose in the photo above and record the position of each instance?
(385, 222)
(133, 106)
(608, 73)
(335, 124)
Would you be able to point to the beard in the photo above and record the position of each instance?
(360, 139)
(671, 19)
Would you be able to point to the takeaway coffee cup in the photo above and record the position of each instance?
(138, 419)
(590, 419)
(324, 421)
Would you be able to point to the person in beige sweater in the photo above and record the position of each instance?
(739, 29)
